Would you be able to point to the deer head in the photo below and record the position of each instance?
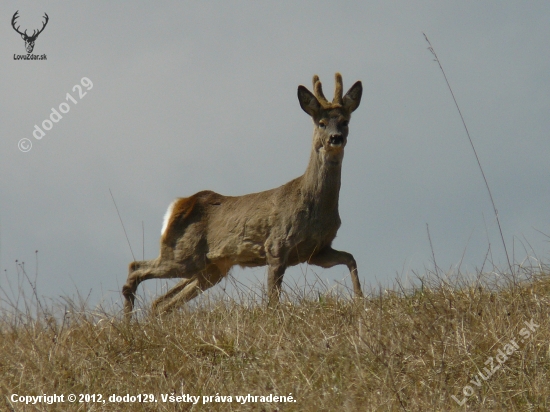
(29, 40)
(330, 119)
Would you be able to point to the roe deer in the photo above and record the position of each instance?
(206, 234)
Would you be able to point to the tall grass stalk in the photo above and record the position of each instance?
(432, 50)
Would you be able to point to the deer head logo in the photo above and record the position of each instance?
(29, 40)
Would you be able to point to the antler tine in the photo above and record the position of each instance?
(338, 89)
(315, 80)
(318, 90)
(15, 17)
(43, 24)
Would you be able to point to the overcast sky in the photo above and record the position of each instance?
(190, 96)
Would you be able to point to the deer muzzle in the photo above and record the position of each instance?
(336, 140)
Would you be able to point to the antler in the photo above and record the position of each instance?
(15, 16)
(43, 26)
(338, 89)
(34, 33)
(318, 91)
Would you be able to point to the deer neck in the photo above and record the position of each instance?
(322, 179)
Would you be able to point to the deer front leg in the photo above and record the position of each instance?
(276, 259)
(328, 257)
(274, 283)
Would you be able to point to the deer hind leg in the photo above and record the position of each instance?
(139, 271)
(189, 288)
(328, 257)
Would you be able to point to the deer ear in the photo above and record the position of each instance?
(353, 97)
(308, 101)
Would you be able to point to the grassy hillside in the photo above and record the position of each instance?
(409, 350)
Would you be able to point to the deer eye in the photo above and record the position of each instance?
(344, 124)
(322, 124)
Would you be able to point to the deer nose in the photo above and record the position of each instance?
(336, 139)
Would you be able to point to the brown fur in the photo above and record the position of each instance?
(209, 233)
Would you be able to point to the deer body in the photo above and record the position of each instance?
(206, 234)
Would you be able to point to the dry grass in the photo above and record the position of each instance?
(395, 350)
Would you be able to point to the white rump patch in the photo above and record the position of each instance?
(167, 217)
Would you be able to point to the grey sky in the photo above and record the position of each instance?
(202, 95)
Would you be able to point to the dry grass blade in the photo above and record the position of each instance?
(405, 349)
